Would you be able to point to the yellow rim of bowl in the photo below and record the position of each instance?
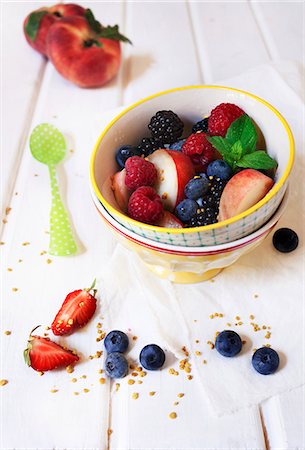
(154, 228)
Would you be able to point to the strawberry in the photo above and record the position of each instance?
(42, 354)
(77, 309)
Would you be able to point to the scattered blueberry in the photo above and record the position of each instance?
(220, 169)
(116, 341)
(152, 357)
(202, 125)
(177, 145)
(125, 152)
(186, 209)
(265, 360)
(116, 365)
(285, 240)
(228, 343)
(197, 187)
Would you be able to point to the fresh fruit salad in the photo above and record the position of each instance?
(175, 180)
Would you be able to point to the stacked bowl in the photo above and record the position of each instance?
(190, 255)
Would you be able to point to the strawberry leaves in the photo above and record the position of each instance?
(108, 32)
(238, 148)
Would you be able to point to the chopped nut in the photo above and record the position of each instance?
(49, 261)
(131, 382)
(70, 369)
(3, 382)
(251, 317)
(117, 386)
(102, 380)
(84, 376)
(135, 374)
(9, 269)
(237, 318)
(190, 377)
(180, 395)
(172, 415)
(109, 431)
(143, 374)
(25, 244)
(53, 391)
(204, 361)
(76, 393)
(212, 316)
(86, 390)
(152, 393)
(74, 380)
(40, 374)
(139, 369)
(7, 333)
(100, 371)
(210, 343)
(229, 324)
(197, 353)
(197, 341)
(140, 381)
(172, 371)
(176, 403)
(134, 338)
(135, 396)
(2, 243)
(7, 210)
(14, 289)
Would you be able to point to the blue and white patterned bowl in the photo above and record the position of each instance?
(192, 103)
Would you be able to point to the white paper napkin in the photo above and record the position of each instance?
(264, 288)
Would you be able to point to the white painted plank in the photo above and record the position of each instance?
(228, 39)
(163, 54)
(21, 74)
(282, 28)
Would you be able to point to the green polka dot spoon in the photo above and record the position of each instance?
(48, 146)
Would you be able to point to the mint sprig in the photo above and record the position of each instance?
(238, 148)
(33, 23)
(109, 32)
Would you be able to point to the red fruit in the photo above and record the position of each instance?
(139, 172)
(145, 205)
(169, 221)
(83, 51)
(196, 144)
(201, 162)
(76, 310)
(37, 24)
(42, 354)
(221, 118)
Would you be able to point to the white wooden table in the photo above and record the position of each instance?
(175, 44)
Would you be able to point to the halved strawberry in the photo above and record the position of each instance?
(42, 354)
(77, 309)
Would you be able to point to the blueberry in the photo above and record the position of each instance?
(116, 365)
(285, 240)
(228, 343)
(116, 341)
(186, 209)
(265, 360)
(196, 188)
(125, 152)
(202, 125)
(220, 169)
(152, 357)
(177, 145)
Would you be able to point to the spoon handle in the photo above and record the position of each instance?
(61, 237)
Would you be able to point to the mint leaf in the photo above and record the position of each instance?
(33, 23)
(236, 151)
(220, 144)
(257, 160)
(243, 130)
(108, 32)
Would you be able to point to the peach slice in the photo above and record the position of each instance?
(242, 191)
(120, 190)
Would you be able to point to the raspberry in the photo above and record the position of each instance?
(139, 172)
(196, 144)
(221, 118)
(201, 162)
(145, 205)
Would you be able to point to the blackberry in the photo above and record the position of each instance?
(203, 217)
(149, 145)
(166, 126)
(217, 186)
(201, 126)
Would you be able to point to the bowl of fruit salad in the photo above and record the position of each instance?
(193, 166)
(182, 264)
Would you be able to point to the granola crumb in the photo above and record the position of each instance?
(9, 269)
(139, 369)
(134, 338)
(76, 393)
(86, 390)
(49, 261)
(25, 244)
(197, 341)
(7, 333)
(130, 381)
(210, 343)
(14, 289)
(173, 415)
(243, 342)
(84, 376)
(2, 243)
(172, 371)
(3, 382)
(143, 373)
(40, 374)
(100, 371)
(102, 380)
(109, 431)
(20, 260)
(53, 391)
(190, 377)
(251, 317)
(69, 369)
(197, 353)
(229, 324)
(135, 396)
(180, 395)
(117, 387)
(237, 318)
(255, 295)
(176, 403)
(152, 393)
(43, 252)
(135, 374)
(204, 361)
(140, 381)
(74, 380)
